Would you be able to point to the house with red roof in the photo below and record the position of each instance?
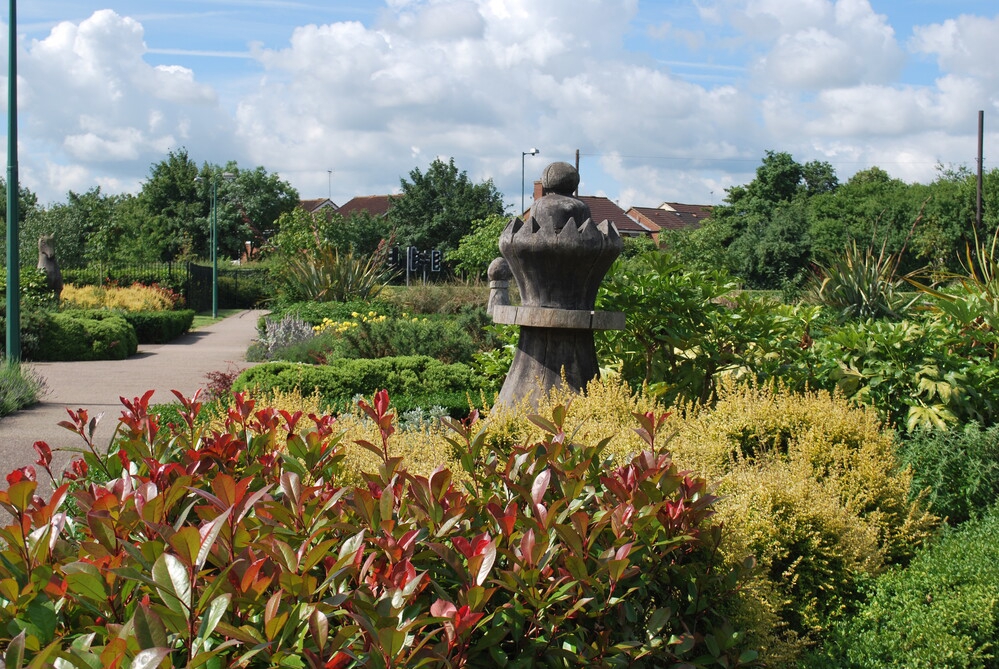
(375, 205)
(670, 216)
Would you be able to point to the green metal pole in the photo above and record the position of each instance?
(215, 247)
(13, 237)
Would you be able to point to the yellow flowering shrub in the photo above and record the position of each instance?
(132, 298)
(339, 327)
(811, 487)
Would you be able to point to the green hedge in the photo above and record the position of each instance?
(412, 381)
(942, 612)
(99, 336)
(151, 327)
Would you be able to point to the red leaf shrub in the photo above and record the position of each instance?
(243, 548)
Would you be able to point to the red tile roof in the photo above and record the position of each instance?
(312, 206)
(603, 209)
(376, 205)
(672, 215)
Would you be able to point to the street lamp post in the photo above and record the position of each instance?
(531, 152)
(13, 339)
(228, 176)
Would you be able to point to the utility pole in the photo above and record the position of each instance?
(981, 148)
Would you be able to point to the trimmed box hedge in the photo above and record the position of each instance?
(412, 381)
(70, 336)
(151, 327)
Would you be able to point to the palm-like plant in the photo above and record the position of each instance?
(328, 274)
(861, 284)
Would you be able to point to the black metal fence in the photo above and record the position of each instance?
(239, 288)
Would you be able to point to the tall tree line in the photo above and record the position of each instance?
(773, 231)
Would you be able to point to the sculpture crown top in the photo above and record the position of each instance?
(561, 178)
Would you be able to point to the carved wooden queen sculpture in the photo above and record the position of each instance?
(558, 257)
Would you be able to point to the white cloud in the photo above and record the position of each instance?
(483, 80)
(964, 46)
(829, 45)
(87, 92)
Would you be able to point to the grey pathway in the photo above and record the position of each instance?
(96, 386)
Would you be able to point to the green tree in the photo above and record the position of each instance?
(249, 206)
(27, 203)
(174, 208)
(436, 208)
(479, 247)
(88, 227)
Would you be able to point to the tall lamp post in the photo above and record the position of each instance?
(13, 249)
(228, 176)
(529, 152)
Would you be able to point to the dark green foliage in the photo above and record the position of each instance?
(436, 208)
(101, 336)
(159, 327)
(245, 288)
(415, 381)
(941, 612)
(959, 467)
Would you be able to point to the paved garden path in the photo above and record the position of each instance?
(96, 386)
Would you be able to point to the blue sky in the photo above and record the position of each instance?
(667, 100)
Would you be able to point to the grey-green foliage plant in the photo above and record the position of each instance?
(283, 332)
(19, 387)
(332, 275)
(941, 612)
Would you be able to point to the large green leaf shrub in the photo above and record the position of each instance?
(685, 329)
(242, 547)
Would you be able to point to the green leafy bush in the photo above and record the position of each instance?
(941, 612)
(959, 467)
(35, 292)
(416, 381)
(372, 336)
(151, 327)
(97, 336)
(685, 329)
(242, 548)
(34, 321)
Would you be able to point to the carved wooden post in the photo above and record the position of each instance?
(558, 257)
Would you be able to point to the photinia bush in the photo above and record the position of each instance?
(240, 548)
